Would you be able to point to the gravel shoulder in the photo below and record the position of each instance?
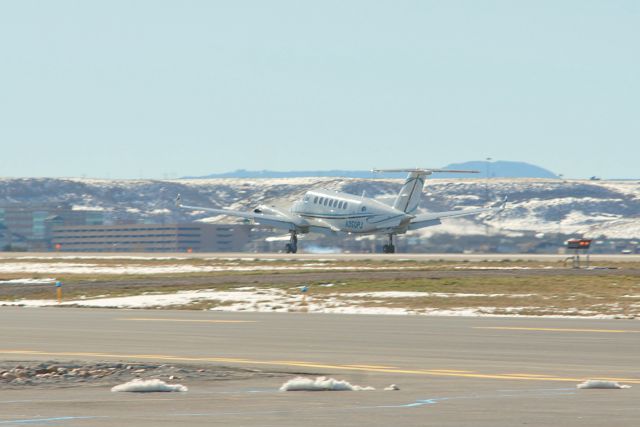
(57, 374)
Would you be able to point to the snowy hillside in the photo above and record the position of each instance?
(595, 208)
(497, 169)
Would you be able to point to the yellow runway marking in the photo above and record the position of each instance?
(143, 319)
(372, 366)
(526, 375)
(317, 365)
(514, 328)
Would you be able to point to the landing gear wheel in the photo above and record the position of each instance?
(292, 246)
(389, 248)
(290, 249)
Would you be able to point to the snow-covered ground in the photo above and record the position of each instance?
(321, 384)
(292, 300)
(129, 269)
(148, 386)
(28, 281)
(403, 294)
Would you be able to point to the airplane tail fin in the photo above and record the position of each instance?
(409, 196)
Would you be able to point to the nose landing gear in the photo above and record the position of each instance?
(389, 248)
(292, 246)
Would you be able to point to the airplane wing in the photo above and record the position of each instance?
(430, 219)
(280, 220)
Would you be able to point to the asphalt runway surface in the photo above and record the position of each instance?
(329, 256)
(452, 371)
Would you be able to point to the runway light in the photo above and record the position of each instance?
(59, 291)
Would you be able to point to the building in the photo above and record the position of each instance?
(28, 227)
(183, 237)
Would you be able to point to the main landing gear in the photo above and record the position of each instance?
(389, 248)
(292, 246)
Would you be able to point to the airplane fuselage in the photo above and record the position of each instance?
(349, 213)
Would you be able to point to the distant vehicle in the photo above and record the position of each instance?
(332, 212)
(626, 251)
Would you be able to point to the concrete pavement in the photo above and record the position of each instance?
(452, 371)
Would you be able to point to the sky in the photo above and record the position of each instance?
(163, 89)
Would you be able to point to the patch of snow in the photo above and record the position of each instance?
(354, 309)
(86, 208)
(471, 267)
(101, 257)
(282, 301)
(601, 384)
(44, 281)
(148, 386)
(245, 298)
(29, 303)
(79, 268)
(321, 384)
(406, 294)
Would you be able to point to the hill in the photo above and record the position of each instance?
(593, 208)
(499, 169)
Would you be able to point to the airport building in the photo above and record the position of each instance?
(182, 237)
(29, 227)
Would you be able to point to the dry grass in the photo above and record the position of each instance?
(557, 292)
(615, 295)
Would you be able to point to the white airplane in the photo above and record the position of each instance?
(327, 211)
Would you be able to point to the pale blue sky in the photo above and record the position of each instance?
(129, 89)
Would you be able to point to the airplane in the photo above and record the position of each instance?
(333, 212)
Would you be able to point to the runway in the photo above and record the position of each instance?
(320, 256)
(451, 371)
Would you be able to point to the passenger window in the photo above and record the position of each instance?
(315, 200)
(326, 201)
(364, 209)
(340, 204)
(345, 205)
(321, 199)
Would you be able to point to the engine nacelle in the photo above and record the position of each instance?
(264, 209)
